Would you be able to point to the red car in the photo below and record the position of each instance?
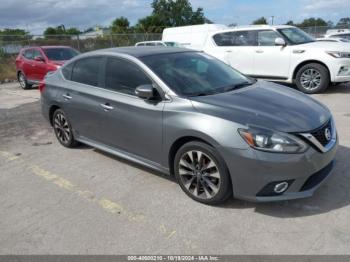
(33, 63)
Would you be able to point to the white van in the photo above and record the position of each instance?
(277, 53)
(192, 36)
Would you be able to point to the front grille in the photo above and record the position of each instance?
(318, 177)
(319, 133)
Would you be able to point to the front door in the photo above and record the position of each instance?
(270, 61)
(132, 124)
(39, 67)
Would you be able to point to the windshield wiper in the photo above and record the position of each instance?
(237, 86)
(204, 93)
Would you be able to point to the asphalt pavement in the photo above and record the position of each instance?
(55, 200)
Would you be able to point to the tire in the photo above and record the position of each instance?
(206, 181)
(63, 129)
(312, 78)
(23, 81)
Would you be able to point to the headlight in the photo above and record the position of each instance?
(268, 140)
(337, 54)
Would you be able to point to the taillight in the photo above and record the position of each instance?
(41, 86)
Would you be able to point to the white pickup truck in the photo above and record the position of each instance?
(276, 53)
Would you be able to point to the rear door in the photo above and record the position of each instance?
(271, 61)
(236, 48)
(81, 97)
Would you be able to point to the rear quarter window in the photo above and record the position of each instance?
(67, 71)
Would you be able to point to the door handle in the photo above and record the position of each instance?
(107, 107)
(228, 51)
(67, 96)
(259, 51)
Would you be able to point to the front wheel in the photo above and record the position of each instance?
(312, 78)
(202, 173)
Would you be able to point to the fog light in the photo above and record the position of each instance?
(344, 71)
(281, 187)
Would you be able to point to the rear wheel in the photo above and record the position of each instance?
(202, 173)
(63, 129)
(312, 78)
(23, 81)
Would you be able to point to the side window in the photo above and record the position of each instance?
(86, 71)
(36, 53)
(28, 54)
(123, 76)
(267, 38)
(237, 38)
(67, 71)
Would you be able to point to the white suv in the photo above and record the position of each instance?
(278, 53)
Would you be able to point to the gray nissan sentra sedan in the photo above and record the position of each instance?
(187, 114)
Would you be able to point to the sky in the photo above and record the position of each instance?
(36, 15)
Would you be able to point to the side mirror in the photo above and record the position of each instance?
(280, 41)
(39, 59)
(145, 91)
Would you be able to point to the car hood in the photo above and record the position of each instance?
(327, 46)
(267, 105)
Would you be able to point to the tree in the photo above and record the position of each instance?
(290, 22)
(345, 21)
(170, 13)
(150, 24)
(260, 21)
(312, 22)
(73, 31)
(120, 25)
(9, 34)
(330, 23)
(60, 31)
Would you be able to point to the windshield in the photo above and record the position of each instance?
(195, 73)
(296, 36)
(60, 54)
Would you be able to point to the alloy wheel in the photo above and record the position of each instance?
(199, 174)
(22, 80)
(310, 79)
(62, 129)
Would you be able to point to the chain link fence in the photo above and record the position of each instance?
(11, 45)
(320, 31)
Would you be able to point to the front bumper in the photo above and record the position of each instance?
(252, 170)
(340, 70)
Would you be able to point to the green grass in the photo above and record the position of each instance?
(7, 68)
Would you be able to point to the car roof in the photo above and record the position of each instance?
(252, 27)
(154, 41)
(54, 46)
(142, 51)
(46, 47)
